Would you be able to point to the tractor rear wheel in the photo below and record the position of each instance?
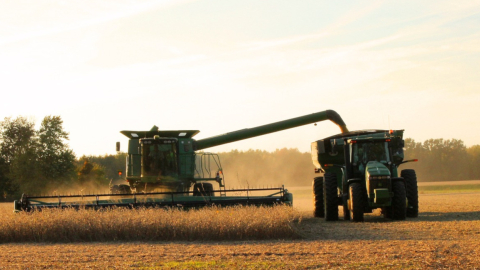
(356, 202)
(398, 209)
(330, 196)
(412, 192)
(318, 208)
(346, 212)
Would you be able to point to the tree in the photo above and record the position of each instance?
(474, 161)
(55, 159)
(17, 148)
(439, 159)
(16, 136)
(31, 161)
(91, 175)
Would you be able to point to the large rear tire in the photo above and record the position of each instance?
(399, 201)
(346, 212)
(356, 201)
(412, 192)
(330, 196)
(318, 208)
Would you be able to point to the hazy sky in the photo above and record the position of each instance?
(219, 66)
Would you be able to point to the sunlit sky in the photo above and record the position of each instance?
(219, 66)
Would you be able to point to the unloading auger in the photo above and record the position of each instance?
(163, 169)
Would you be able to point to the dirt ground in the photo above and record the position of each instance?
(445, 235)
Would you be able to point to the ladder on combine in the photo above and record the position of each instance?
(211, 167)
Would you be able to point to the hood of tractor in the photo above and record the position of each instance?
(376, 169)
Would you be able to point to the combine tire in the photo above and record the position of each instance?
(330, 196)
(120, 189)
(412, 192)
(356, 201)
(208, 187)
(398, 210)
(203, 189)
(318, 208)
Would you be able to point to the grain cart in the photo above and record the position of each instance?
(164, 169)
(361, 174)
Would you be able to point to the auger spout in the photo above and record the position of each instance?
(270, 128)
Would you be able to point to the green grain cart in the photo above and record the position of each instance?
(165, 169)
(361, 173)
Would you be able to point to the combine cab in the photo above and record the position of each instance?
(163, 168)
(361, 174)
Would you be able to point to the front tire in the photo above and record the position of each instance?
(330, 196)
(399, 201)
(203, 189)
(356, 201)
(412, 192)
(318, 208)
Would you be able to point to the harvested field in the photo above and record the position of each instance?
(445, 235)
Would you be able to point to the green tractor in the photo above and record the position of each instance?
(361, 173)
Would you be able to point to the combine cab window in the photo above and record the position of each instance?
(159, 158)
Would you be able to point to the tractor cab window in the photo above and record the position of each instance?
(159, 158)
(370, 151)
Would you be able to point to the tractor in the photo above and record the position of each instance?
(361, 173)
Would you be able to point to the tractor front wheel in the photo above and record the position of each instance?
(318, 208)
(356, 202)
(399, 201)
(330, 196)
(412, 192)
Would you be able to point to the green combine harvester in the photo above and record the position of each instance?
(361, 173)
(164, 169)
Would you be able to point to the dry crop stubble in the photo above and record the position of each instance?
(446, 235)
(152, 224)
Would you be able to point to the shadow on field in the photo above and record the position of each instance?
(376, 227)
(449, 216)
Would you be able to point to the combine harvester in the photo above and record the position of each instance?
(164, 170)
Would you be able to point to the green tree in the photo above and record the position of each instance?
(439, 159)
(17, 154)
(55, 159)
(111, 163)
(31, 161)
(91, 175)
(474, 162)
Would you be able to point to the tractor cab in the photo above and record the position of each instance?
(369, 158)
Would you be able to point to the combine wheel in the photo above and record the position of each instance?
(412, 192)
(120, 189)
(318, 208)
(124, 189)
(398, 210)
(203, 189)
(208, 187)
(356, 202)
(330, 196)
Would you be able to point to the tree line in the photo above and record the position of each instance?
(35, 161)
(443, 160)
